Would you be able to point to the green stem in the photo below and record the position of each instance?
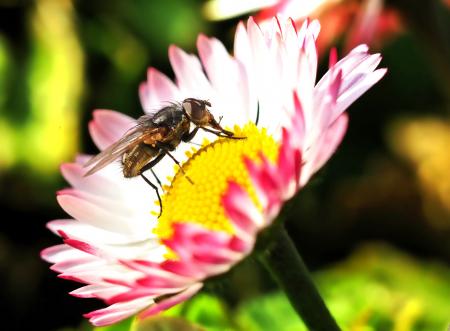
(288, 269)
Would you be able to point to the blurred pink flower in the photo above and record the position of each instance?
(358, 21)
(137, 263)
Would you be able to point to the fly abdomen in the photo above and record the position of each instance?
(134, 160)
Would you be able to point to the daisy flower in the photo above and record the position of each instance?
(267, 92)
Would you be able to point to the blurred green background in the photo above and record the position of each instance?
(388, 183)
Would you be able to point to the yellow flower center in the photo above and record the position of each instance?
(210, 169)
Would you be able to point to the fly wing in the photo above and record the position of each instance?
(133, 137)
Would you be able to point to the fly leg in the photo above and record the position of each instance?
(166, 151)
(196, 144)
(157, 193)
(153, 186)
(179, 165)
(227, 134)
(189, 135)
(156, 177)
(152, 153)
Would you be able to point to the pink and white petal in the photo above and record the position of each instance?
(331, 139)
(325, 146)
(242, 211)
(243, 55)
(103, 273)
(347, 98)
(95, 184)
(160, 91)
(148, 247)
(78, 230)
(94, 215)
(228, 81)
(290, 165)
(77, 266)
(102, 291)
(220, 256)
(266, 184)
(269, 86)
(144, 93)
(110, 184)
(290, 46)
(61, 253)
(357, 61)
(142, 292)
(297, 127)
(108, 126)
(367, 66)
(153, 269)
(305, 88)
(183, 268)
(193, 241)
(195, 258)
(118, 311)
(242, 49)
(180, 240)
(239, 245)
(259, 50)
(100, 201)
(210, 269)
(191, 80)
(325, 107)
(162, 281)
(171, 301)
(309, 47)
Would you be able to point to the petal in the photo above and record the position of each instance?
(228, 81)
(322, 150)
(103, 292)
(94, 215)
(158, 92)
(171, 301)
(242, 211)
(61, 253)
(117, 312)
(366, 82)
(108, 126)
(191, 80)
(95, 184)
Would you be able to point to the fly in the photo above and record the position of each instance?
(157, 135)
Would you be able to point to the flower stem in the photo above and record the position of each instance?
(287, 267)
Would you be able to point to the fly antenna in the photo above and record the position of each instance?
(257, 115)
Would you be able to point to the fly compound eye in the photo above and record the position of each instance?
(195, 109)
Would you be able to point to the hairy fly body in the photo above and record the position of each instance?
(157, 135)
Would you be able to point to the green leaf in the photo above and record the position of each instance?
(387, 290)
(376, 289)
(205, 310)
(267, 313)
(126, 325)
(166, 323)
